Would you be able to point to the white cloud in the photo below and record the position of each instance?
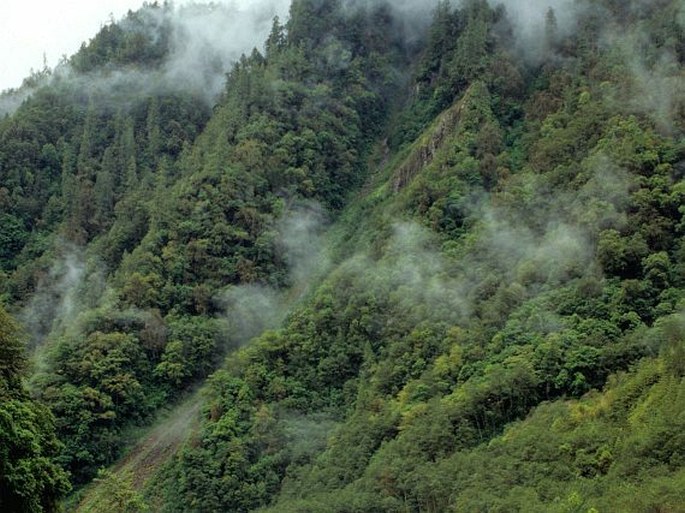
(30, 30)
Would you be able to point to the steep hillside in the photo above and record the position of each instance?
(418, 262)
(523, 249)
(122, 483)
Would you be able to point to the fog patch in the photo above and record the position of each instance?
(55, 303)
(205, 40)
(12, 99)
(301, 243)
(538, 25)
(412, 18)
(251, 309)
(306, 435)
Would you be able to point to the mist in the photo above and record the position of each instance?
(11, 100)
(301, 244)
(657, 83)
(519, 247)
(412, 18)
(419, 275)
(250, 309)
(534, 33)
(204, 42)
(412, 274)
(54, 305)
(551, 238)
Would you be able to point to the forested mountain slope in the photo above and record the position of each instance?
(419, 258)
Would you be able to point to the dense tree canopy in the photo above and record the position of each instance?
(30, 478)
(412, 267)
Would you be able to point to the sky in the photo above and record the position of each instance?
(30, 29)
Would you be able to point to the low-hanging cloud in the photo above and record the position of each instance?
(300, 239)
(204, 42)
(412, 18)
(537, 25)
(12, 100)
(251, 309)
(412, 274)
(657, 85)
(207, 40)
(55, 302)
(518, 246)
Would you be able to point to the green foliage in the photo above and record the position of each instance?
(435, 361)
(120, 493)
(241, 447)
(498, 325)
(139, 39)
(95, 389)
(13, 237)
(190, 351)
(30, 479)
(12, 356)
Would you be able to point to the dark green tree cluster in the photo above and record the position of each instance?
(31, 480)
(140, 40)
